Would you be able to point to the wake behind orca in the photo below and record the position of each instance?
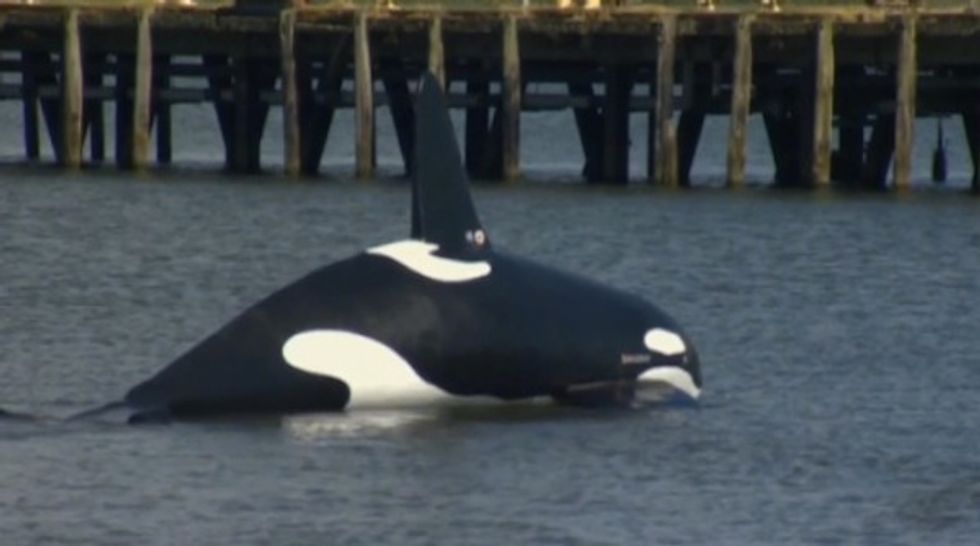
(441, 313)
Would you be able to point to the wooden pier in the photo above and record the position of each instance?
(838, 86)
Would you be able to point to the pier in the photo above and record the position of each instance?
(838, 85)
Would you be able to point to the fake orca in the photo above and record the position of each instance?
(439, 313)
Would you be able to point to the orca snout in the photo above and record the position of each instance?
(676, 364)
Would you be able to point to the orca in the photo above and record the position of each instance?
(442, 313)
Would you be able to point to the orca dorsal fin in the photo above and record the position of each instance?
(442, 209)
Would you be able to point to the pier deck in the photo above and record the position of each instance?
(838, 86)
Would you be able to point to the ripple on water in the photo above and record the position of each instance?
(835, 334)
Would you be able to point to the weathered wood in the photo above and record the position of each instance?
(561, 46)
(493, 154)
(142, 91)
(669, 165)
(615, 114)
(905, 103)
(364, 99)
(511, 132)
(823, 104)
(437, 55)
(741, 96)
(971, 126)
(665, 148)
(292, 148)
(72, 91)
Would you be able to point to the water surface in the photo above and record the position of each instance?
(837, 334)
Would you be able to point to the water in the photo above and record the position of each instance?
(836, 334)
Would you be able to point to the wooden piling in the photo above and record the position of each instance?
(492, 167)
(125, 64)
(364, 99)
(219, 81)
(437, 55)
(93, 119)
(881, 146)
(290, 95)
(665, 147)
(315, 125)
(905, 103)
(588, 121)
(695, 96)
(823, 104)
(72, 91)
(652, 129)
(45, 75)
(615, 132)
(782, 130)
(32, 133)
(142, 91)
(741, 97)
(263, 78)
(689, 128)
(241, 115)
(511, 133)
(401, 107)
(32, 148)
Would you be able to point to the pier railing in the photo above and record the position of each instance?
(838, 84)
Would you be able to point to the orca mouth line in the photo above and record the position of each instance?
(655, 386)
(673, 376)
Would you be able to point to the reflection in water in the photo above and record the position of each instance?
(315, 426)
(312, 427)
(446, 411)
